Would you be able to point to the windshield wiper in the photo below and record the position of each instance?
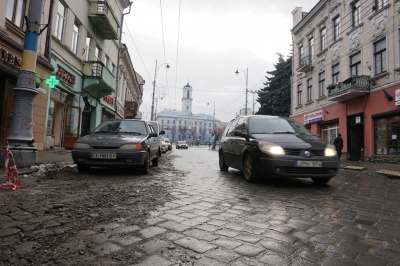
(129, 132)
(284, 132)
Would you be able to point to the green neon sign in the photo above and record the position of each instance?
(52, 81)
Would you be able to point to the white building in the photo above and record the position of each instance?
(184, 125)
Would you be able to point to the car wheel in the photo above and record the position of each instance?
(321, 181)
(82, 167)
(249, 170)
(154, 162)
(222, 165)
(145, 167)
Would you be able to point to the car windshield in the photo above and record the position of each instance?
(181, 142)
(276, 125)
(122, 126)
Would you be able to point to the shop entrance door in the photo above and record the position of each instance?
(9, 94)
(355, 141)
(72, 126)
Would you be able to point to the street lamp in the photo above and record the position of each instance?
(154, 86)
(246, 74)
(215, 133)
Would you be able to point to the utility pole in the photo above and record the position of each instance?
(20, 137)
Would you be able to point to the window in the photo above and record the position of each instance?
(75, 37)
(380, 56)
(355, 64)
(187, 95)
(336, 29)
(355, 14)
(106, 61)
(97, 53)
(379, 4)
(301, 52)
(387, 130)
(309, 90)
(329, 132)
(16, 11)
(323, 38)
(87, 48)
(59, 30)
(311, 48)
(299, 95)
(335, 73)
(321, 84)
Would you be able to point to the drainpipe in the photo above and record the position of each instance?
(119, 57)
(20, 137)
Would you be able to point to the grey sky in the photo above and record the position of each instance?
(215, 38)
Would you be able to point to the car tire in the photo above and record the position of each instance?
(321, 180)
(145, 167)
(222, 165)
(82, 167)
(249, 171)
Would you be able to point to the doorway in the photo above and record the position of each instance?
(355, 140)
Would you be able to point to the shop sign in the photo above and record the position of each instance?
(65, 75)
(10, 58)
(314, 117)
(397, 97)
(109, 100)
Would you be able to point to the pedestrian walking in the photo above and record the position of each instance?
(338, 142)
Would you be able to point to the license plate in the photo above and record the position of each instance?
(104, 156)
(309, 163)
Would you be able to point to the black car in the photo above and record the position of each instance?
(116, 143)
(271, 146)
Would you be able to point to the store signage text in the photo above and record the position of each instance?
(65, 75)
(314, 117)
(10, 58)
(397, 97)
(109, 100)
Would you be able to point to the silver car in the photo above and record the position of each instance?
(116, 143)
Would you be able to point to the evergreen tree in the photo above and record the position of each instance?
(274, 98)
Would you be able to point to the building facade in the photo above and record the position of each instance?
(12, 35)
(85, 51)
(346, 74)
(184, 125)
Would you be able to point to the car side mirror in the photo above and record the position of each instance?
(239, 133)
(153, 135)
(162, 132)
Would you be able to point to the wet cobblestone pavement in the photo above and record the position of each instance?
(208, 217)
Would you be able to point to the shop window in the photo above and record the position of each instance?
(329, 132)
(50, 118)
(387, 135)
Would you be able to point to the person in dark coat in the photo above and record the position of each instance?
(338, 142)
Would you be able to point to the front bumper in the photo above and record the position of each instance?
(123, 158)
(284, 167)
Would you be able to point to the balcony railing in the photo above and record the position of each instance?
(350, 88)
(306, 63)
(98, 80)
(103, 19)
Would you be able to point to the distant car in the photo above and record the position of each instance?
(116, 143)
(182, 145)
(271, 146)
(166, 145)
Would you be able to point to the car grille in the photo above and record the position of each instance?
(294, 152)
(306, 170)
(104, 147)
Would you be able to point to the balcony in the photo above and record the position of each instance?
(103, 20)
(98, 80)
(306, 63)
(350, 88)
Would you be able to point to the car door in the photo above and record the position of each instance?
(226, 143)
(238, 144)
(153, 142)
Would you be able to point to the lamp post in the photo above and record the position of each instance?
(246, 74)
(154, 87)
(215, 133)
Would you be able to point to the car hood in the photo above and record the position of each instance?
(107, 139)
(293, 141)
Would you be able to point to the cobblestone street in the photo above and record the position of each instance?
(206, 217)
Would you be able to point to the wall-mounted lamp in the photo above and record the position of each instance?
(387, 95)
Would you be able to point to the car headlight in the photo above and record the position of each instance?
(330, 152)
(271, 148)
(131, 147)
(81, 146)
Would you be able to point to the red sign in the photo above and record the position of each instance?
(65, 75)
(109, 100)
(10, 58)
